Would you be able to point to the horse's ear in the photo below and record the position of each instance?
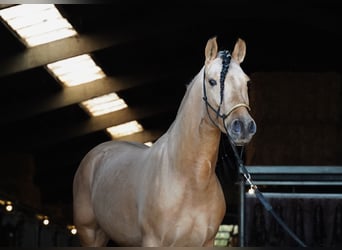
(239, 51)
(210, 50)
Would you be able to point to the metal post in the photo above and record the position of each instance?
(242, 213)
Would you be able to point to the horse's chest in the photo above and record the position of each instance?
(182, 217)
(188, 224)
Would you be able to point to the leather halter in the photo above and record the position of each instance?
(217, 111)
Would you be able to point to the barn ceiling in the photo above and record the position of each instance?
(149, 53)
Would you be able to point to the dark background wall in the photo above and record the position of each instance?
(299, 117)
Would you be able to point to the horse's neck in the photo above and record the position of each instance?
(194, 139)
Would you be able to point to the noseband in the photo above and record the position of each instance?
(225, 56)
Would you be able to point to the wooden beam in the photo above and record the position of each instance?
(81, 44)
(48, 136)
(61, 49)
(14, 111)
(112, 119)
(3, 6)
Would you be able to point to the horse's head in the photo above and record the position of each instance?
(226, 92)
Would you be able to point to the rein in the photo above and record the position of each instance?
(241, 166)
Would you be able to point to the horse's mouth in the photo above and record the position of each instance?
(240, 144)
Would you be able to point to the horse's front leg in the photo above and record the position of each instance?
(150, 241)
(209, 243)
(149, 237)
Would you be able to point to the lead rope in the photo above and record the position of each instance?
(259, 194)
(244, 170)
(248, 178)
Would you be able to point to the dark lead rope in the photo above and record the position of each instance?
(260, 196)
(226, 59)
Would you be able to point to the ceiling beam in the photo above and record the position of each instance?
(3, 6)
(14, 111)
(112, 119)
(61, 49)
(44, 54)
(48, 136)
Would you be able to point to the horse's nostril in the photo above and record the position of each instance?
(252, 127)
(237, 126)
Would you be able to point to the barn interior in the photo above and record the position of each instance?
(147, 54)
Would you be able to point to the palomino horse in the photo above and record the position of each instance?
(168, 194)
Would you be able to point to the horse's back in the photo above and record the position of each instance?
(98, 183)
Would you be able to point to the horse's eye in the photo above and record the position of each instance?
(212, 82)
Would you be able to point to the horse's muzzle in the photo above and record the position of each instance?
(241, 130)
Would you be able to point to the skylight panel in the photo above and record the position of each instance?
(104, 104)
(37, 24)
(76, 70)
(125, 129)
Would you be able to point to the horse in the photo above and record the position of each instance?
(168, 194)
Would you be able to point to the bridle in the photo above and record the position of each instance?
(225, 56)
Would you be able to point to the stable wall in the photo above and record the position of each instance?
(298, 116)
